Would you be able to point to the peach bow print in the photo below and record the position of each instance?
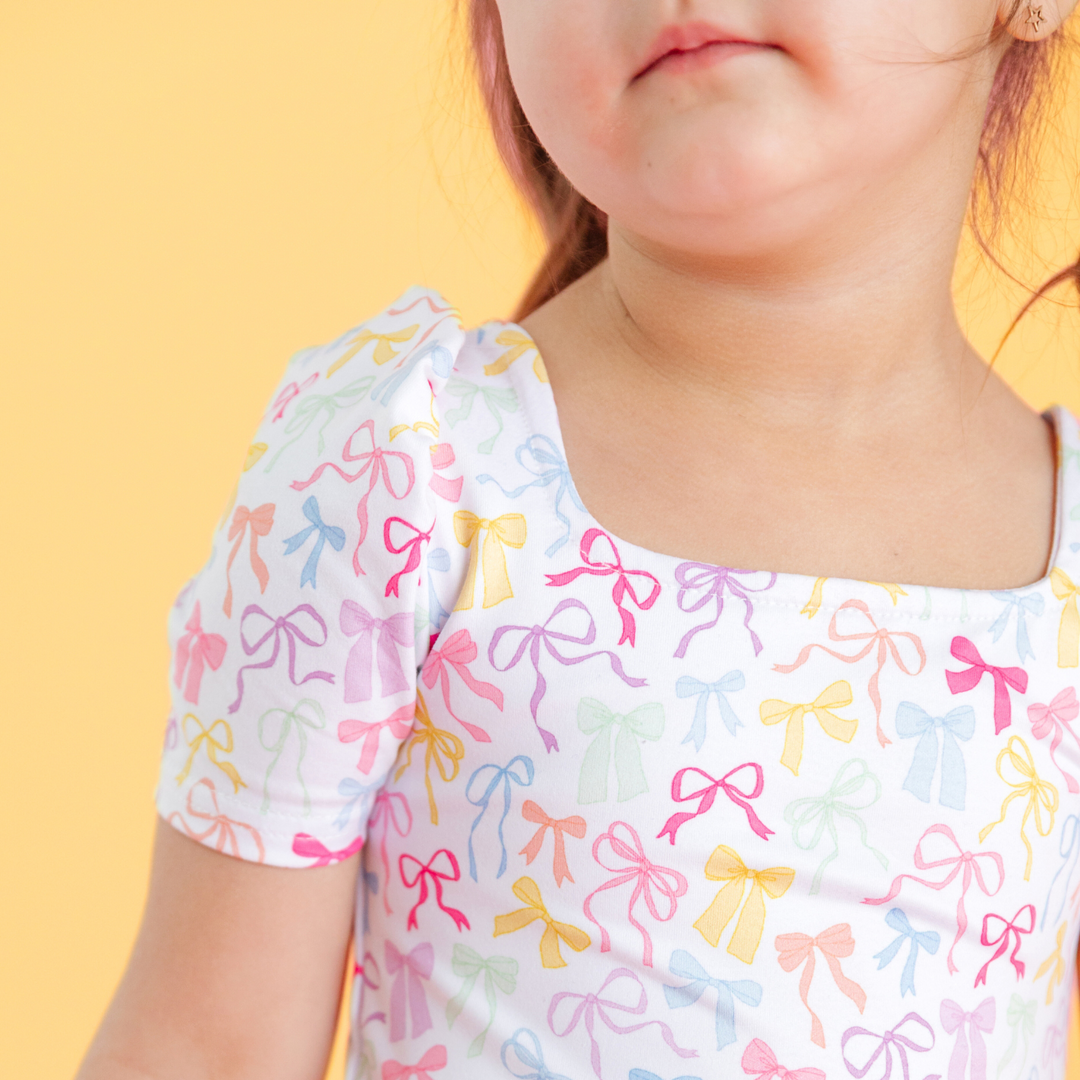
(442, 747)
(509, 529)
(835, 943)
(383, 352)
(197, 648)
(517, 345)
(1040, 795)
(261, 521)
(213, 747)
(528, 892)
(725, 865)
(886, 642)
(1054, 965)
(1069, 626)
(225, 827)
(574, 825)
(835, 696)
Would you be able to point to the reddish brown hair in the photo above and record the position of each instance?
(576, 230)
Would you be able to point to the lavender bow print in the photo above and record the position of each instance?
(712, 581)
(900, 1039)
(393, 633)
(912, 721)
(953, 1018)
(407, 996)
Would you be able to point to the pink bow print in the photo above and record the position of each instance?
(962, 681)
(307, 847)
(1009, 930)
(644, 874)
(289, 392)
(707, 794)
(407, 993)
(1056, 718)
(412, 545)
(420, 877)
(432, 1061)
(399, 722)
(623, 586)
(759, 1060)
(197, 648)
(376, 461)
(385, 812)
(442, 458)
(397, 631)
(968, 861)
(458, 652)
(953, 1018)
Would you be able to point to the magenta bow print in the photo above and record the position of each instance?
(711, 582)
(707, 794)
(308, 847)
(623, 588)
(456, 653)
(953, 1018)
(759, 1061)
(968, 861)
(376, 464)
(535, 636)
(1054, 720)
(260, 521)
(899, 1039)
(886, 642)
(291, 626)
(419, 876)
(626, 859)
(413, 545)
(393, 633)
(399, 723)
(195, 649)
(407, 997)
(594, 1006)
(432, 1061)
(1011, 930)
(1003, 677)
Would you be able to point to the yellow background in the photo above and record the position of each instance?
(188, 194)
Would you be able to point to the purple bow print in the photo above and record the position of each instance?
(283, 624)
(891, 1040)
(1004, 677)
(953, 1018)
(535, 636)
(695, 576)
(356, 621)
(594, 1006)
(407, 993)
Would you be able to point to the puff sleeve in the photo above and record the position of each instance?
(295, 649)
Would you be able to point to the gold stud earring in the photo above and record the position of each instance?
(1035, 17)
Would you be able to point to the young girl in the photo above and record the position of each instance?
(571, 668)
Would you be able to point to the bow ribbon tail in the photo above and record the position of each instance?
(476, 1047)
(848, 987)
(724, 1019)
(358, 667)
(920, 776)
(750, 926)
(1069, 632)
(958, 1060)
(457, 1002)
(718, 914)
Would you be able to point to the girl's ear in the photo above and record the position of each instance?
(1034, 20)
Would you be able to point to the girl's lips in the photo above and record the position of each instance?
(696, 44)
(714, 52)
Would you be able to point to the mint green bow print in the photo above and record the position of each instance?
(307, 713)
(312, 406)
(1021, 1017)
(497, 400)
(498, 971)
(846, 798)
(595, 718)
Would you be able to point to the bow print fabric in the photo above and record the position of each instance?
(601, 803)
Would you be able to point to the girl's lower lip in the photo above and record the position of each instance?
(702, 57)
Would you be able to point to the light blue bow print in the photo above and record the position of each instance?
(506, 776)
(548, 467)
(926, 939)
(438, 561)
(371, 888)
(312, 406)
(819, 813)
(1029, 604)
(644, 1074)
(497, 399)
(958, 723)
(526, 1048)
(685, 966)
(1069, 849)
(688, 686)
(325, 532)
(354, 792)
(442, 363)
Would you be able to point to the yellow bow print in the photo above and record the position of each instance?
(1069, 627)
(527, 891)
(810, 608)
(438, 744)
(834, 696)
(725, 865)
(1056, 961)
(212, 747)
(508, 529)
(383, 350)
(518, 345)
(1039, 793)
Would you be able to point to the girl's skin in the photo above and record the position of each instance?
(766, 373)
